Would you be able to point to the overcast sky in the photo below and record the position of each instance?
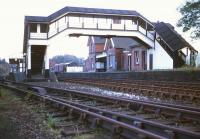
(12, 20)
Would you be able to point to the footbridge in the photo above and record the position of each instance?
(77, 21)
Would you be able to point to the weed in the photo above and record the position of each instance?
(7, 95)
(36, 109)
(28, 96)
(51, 122)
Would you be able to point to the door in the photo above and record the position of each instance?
(144, 65)
(129, 62)
(151, 61)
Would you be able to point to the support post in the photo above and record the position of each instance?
(38, 28)
(97, 23)
(137, 25)
(124, 24)
(29, 61)
(83, 23)
(47, 62)
(57, 26)
(67, 21)
(146, 28)
(28, 30)
(24, 63)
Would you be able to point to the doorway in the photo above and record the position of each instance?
(129, 62)
(151, 61)
(144, 65)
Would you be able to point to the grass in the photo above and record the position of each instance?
(7, 101)
(188, 67)
(28, 96)
(10, 102)
(13, 106)
(94, 135)
(7, 130)
(51, 122)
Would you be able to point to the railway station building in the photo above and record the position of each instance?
(130, 41)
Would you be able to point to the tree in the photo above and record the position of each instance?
(67, 58)
(191, 18)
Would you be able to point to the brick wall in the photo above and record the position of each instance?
(139, 66)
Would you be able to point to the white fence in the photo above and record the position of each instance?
(74, 69)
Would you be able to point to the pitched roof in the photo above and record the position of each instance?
(99, 40)
(174, 40)
(82, 10)
(122, 42)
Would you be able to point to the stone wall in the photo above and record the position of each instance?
(172, 75)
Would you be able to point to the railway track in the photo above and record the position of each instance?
(126, 97)
(167, 91)
(127, 117)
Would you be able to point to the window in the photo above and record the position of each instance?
(136, 57)
(116, 21)
(33, 28)
(43, 28)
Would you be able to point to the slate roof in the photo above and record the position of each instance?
(36, 19)
(171, 37)
(99, 40)
(123, 42)
(82, 10)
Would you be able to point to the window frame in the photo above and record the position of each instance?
(33, 28)
(43, 28)
(117, 20)
(136, 58)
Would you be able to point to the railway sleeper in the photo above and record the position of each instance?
(96, 123)
(116, 131)
(76, 130)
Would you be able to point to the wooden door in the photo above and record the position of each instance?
(151, 61)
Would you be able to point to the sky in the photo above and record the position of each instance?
(12, 21)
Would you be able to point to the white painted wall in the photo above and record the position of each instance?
(108, 32)
(161, 60)
(197, 60)
(74, 69)
(91, 22)
(46, 58)
(37, 42)
(38, 35)
(29, 57)
(187, 52)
